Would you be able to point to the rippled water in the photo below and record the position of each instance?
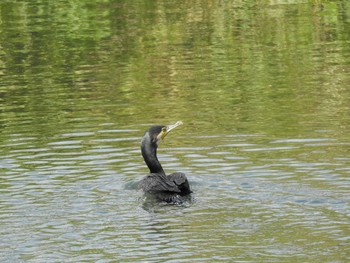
(254, 199)
(263, 91)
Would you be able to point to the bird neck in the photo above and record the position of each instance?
(149, 153)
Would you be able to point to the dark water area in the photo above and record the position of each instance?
(263, 89)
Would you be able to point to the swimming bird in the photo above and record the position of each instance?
(172, 188)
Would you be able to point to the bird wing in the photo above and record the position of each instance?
(158, 183)
(181, 182)
(177, 178)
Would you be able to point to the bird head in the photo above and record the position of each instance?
(158, 133)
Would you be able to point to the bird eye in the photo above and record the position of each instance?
(164, 129)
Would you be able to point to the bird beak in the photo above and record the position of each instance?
(169, 128)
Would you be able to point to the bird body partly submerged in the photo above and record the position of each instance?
(170, 188)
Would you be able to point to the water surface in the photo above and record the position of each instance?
(261, 86)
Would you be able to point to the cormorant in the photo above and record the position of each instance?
(170, 188)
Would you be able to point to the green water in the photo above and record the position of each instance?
(263, 89)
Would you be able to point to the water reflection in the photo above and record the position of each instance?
(262, 88)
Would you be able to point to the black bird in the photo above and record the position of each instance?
(170, 188)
